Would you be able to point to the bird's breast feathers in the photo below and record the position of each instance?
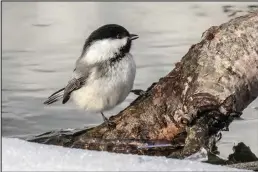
(105, 92)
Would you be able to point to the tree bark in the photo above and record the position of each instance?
(214, 82)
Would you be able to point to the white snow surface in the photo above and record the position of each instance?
(20, 155)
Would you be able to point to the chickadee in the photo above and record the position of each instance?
(104, 73)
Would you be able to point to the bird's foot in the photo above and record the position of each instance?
(138, 92)
(107, 122)
(110, 124)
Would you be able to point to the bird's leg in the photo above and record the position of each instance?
(138, 92)
(107, 121)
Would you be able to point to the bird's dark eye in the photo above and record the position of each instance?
(119, 36)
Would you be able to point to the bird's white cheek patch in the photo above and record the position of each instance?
(103, 50)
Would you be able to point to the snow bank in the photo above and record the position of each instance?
(20, 155)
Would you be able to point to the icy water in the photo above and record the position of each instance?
(41, 42)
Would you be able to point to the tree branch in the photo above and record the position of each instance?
(213, 83)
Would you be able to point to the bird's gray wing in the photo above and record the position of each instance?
(82, 72)
(72, 85)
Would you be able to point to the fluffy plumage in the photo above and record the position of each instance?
(104, 73)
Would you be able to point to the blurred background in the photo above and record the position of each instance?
(42, 40)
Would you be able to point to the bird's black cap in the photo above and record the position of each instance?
(109, 31)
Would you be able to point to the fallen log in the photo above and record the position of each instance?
(185, 110)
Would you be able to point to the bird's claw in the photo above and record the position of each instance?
(107, 122)
(110, 124)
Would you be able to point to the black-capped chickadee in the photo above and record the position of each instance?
(104, 73)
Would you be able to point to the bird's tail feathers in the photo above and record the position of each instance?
(55, 97)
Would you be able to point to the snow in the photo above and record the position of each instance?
(202, 155)
(20, 155)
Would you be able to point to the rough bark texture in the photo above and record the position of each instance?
(215, 81)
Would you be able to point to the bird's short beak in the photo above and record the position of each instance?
(133, 36)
